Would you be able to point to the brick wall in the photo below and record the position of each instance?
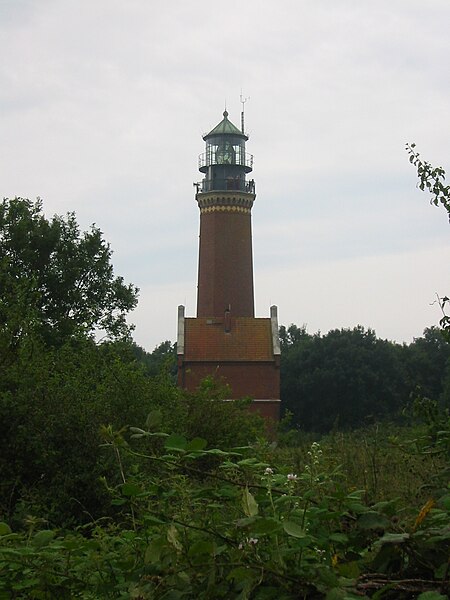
(257, 380)
(225, 274)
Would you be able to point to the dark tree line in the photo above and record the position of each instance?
(350, 378)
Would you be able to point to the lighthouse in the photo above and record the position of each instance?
(225, 340)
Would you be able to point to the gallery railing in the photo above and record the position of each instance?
(228, 184)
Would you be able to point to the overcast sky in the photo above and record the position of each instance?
(103, 104)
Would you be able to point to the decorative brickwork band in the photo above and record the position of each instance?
(235, 209)
(225, 201)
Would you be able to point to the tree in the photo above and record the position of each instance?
(342, 378)
(163, 357)
(18, 316)
(53, 402)
(67, 273)
(426, 361)
(291, 335)
(57, 386)
(432, 179)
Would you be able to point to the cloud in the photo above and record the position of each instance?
(103, 105)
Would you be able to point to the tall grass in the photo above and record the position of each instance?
(380, 460)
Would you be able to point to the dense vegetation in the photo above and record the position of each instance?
(351, 378)
(116, 484)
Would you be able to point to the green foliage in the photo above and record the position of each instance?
(340, 379)
(432, 180)
(292, 335)
(350, 378)
(426, 363)
(163, 357)
(205, 413)
(56, 385)
(67, 275)
(52, 404)
(248, 528)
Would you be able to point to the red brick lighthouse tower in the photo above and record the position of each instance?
(225, 339)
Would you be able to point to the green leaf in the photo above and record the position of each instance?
(42, 538)
(200, 548)
(152, 520)
(350, 569)
(173, 537)
(130, 490)
(431, 596)
(357, 508)
(249, 504)
(393, 538)
(154, 420)
(174, 594)
(251, 462)
(196, 445)
(246, 521)
(445, 502)
(226, 491)
(154, 550)
(373, 520)
(265, 526)
(5, 529)
(340, 538)
(327, 577)
(336, 594)
(435, 539)
(240, 574)
(294, 529)
(219, 452)
(175, 442)
(386, 557)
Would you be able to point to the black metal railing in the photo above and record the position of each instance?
(228, 184)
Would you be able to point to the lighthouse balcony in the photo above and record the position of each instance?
(228, 184)
(210, 158)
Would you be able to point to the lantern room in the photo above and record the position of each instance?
(225, 162)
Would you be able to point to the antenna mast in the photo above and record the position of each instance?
(243, 101)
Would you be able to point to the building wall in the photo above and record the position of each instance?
(257, 380)
(225, 275)
(260, 381)
(269, 409)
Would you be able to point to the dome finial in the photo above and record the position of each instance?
(225, 113)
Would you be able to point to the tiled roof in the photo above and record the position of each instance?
(250, 339)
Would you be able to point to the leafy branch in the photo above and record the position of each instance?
(430, 178)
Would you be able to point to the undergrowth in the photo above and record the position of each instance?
(337, 519)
